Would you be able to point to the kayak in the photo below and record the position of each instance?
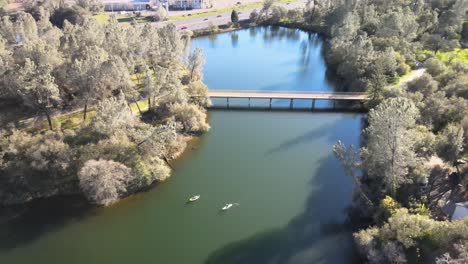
(194, 198)
(226, 207)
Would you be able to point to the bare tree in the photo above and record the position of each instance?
(104, 181)
(196, 61)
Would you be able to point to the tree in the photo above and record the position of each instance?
(192, 118)
(464, 34)
(199, 94)
(22, 30)
(253, 15)
(399, 23)
(37, 90)
(156, 141)
(351, 162)
(410, 233)
(375, 85)
(425, 85)
(33, 166)
(95, 74)
(267, 4)
(113, 115)
(164, 85)
(447, 258)
(103, 182)
(450, 143)
(161, 14)
(437, 42)
(93, 6)
(196, 61)
(388, 243)
(234, 17)
(389, 151)
(277, 13)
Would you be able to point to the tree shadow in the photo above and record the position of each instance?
(321, 234)
(328, 130)
(22, 224)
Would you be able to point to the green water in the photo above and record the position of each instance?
(278, 166)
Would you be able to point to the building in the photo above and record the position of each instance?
(129, 5)
(189, 4)
(140, 5)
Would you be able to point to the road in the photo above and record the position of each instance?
(221, 19)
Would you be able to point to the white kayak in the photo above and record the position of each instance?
(226, 207)
(194, 198)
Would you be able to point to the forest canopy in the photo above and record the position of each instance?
(106, 71)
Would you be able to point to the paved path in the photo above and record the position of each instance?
(412, 76)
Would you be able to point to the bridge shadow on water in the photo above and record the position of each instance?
(320, 234)
(319, 132)
(22, 224)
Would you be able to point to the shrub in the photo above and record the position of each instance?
(161, 14)
(104, 181)
(192, 118)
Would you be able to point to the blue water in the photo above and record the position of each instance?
(264, 58)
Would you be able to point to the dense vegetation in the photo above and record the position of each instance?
(109, 150)
(413, 159)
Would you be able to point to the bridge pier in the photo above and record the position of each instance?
(334, 104)
(291, 104)
(249, 102)
(313, 104)
(227, 102)
(270, 102)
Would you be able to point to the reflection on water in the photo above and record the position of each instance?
(234, 39)
(264, 58)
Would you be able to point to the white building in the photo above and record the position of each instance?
(129, 5)
(189, 4)
(139, 5)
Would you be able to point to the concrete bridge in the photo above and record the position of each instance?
(290, 95)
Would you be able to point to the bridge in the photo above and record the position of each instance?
(290, 95)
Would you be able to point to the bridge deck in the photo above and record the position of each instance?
(350, 96)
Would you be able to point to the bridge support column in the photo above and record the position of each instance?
(291, 104)
(313, 104)
(227, 102)
(334, 104)
(270, 102)
(249, 102)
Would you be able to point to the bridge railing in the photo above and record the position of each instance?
(285, 91)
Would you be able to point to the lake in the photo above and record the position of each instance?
(290, 192)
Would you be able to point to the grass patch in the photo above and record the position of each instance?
(225, 10)
(138, 19)
(396, 80)
(74, 120)
(456, 55)
(447, 57)
(102, 17)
